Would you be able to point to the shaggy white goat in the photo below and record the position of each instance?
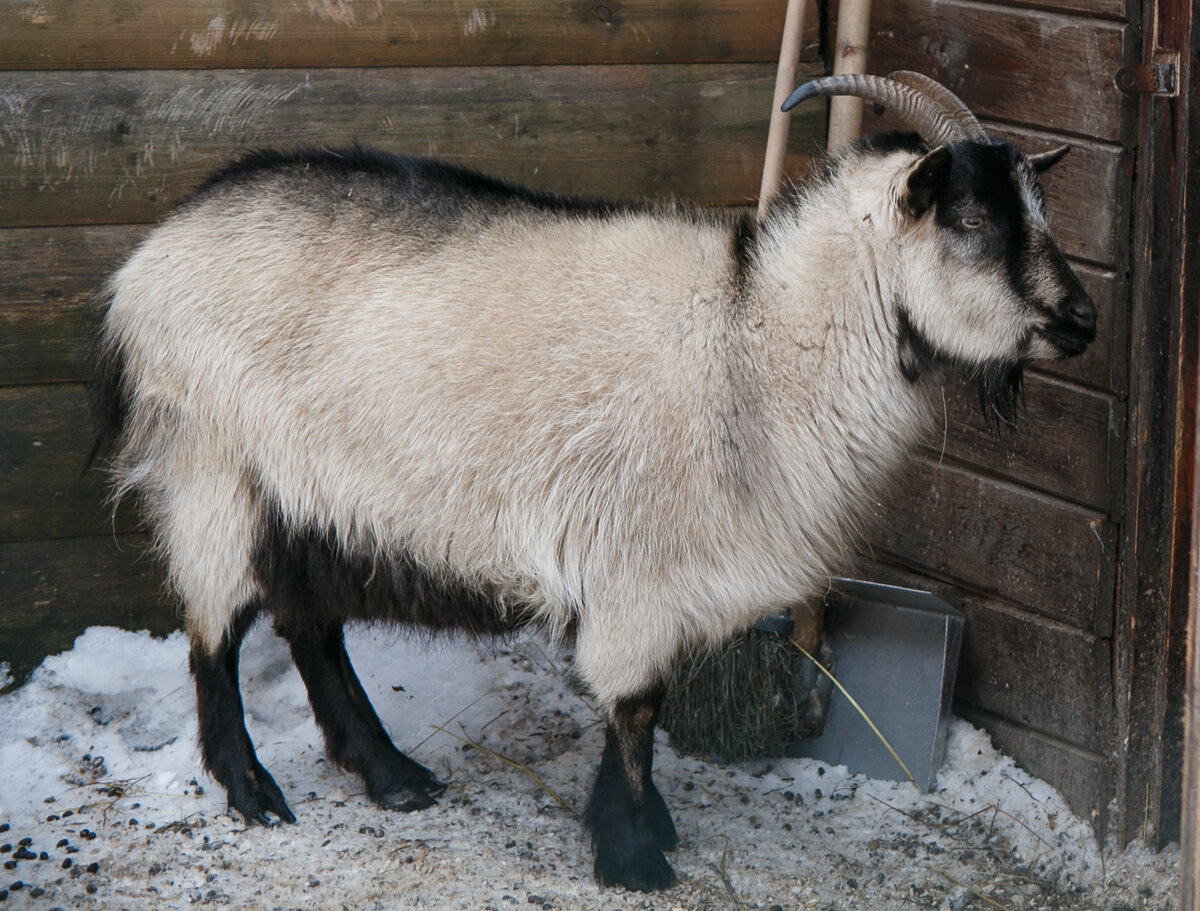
(351, 386)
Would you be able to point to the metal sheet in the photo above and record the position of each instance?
(897, 654)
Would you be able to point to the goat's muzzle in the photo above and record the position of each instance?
(1073, 326)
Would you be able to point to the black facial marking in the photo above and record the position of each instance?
(983, 183)
(916, 354)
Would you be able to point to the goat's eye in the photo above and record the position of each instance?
(971, 222)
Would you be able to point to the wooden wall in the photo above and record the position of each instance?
(1024, 532)
(111, 110)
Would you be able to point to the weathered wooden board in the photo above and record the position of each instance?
(53, 590)
(121, 147)
(44, 492)
(1021, 66)
(1011, 660)
(1067, 444)
(1041, 689)
(174, 34)
(1110, 9)
(47, 276)
(1002, 540)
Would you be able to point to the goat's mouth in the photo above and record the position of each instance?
(1068, 339)
(1072, 326)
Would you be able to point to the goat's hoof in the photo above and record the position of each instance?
(258, 799)
(407, 800)
(644, 870)
(404, 785)
(658, 818)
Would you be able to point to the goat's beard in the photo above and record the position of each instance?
(1001, 394)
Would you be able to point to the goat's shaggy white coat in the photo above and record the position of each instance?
(610, 430)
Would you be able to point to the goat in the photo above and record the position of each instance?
(353, 387)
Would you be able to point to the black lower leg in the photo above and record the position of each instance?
(354, 736)
(627, 817)
(224, 744)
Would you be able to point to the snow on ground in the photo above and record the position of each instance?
(103, 803)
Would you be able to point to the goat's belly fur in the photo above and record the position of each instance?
(310, 580)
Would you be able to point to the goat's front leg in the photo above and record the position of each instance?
(627, 817)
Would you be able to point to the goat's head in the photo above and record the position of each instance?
(986, 288)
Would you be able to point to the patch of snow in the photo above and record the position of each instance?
(100, 772)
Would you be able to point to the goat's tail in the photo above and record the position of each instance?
(107, 391)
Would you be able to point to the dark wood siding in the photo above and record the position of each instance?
(1024, 531)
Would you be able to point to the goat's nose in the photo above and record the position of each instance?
(1082, 312)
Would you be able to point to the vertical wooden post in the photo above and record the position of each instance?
(785, 82)
(850, 57)
(1189, 829)
(1158, 671)
(1187, 152)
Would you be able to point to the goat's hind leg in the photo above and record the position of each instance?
(224, 743)
(627, 817)
(354, 736)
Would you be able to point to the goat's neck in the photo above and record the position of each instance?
(825, 336)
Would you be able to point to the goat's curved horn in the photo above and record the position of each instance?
(916, 108)
(954, 106)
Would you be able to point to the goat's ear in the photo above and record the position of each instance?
(1046, 160)
(924, 179)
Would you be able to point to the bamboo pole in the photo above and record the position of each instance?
(850, 57)
(785, 82)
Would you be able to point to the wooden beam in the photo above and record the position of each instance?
(54, 590)
(1185, 30)
(1152, 605)
(176, 34)
(124, 146)
(1002, 540)
(1021, 66)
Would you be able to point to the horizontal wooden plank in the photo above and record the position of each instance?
(1012, 660)
(44, 492)
(173, 34)
(1001, 540)
(53, 590)
(1032, 672)
(47, 277)
(1068, 443)
(1021, 66)
(122, 147)
(1108, 9)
